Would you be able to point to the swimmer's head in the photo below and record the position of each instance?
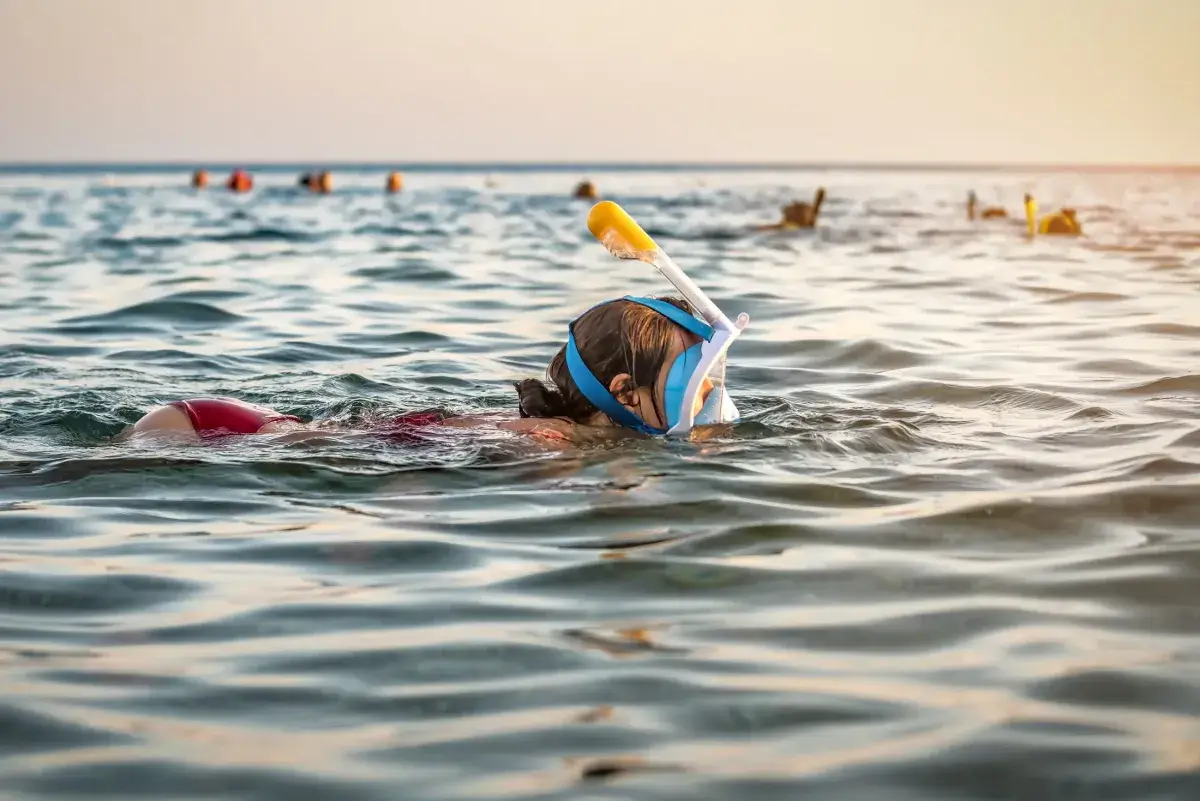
(200, 179)
(395, 182)
(630, 349)
(585, 189)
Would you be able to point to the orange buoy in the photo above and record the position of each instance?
(395, 182)
(240, 181)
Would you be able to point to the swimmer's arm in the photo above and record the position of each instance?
(548, 430)
(549, 427)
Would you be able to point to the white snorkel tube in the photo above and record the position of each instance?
(625, 239)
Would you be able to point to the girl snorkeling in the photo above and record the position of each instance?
(645, 364)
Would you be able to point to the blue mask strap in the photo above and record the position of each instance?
(598, 394)
(676, 315)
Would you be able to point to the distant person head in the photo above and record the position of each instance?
(323, 182)
(797, 214)
(1076, 226)
(305, 180)
(395, 182)
(585, 190)
(200, 179)
(804, 215)
(971, 203)
(1062, 222)
(240, 181)
(629, 349)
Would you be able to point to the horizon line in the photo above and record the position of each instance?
(615, 166)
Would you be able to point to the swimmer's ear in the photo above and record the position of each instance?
(621, 388)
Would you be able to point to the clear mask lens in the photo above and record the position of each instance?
(713, 404)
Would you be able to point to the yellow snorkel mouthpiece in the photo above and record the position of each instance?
(619, 232)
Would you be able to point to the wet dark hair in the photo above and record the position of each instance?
(617, 337)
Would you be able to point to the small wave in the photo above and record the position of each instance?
(1170, 329)
(30, 731)
(1089, 297)
(266, 234)
(414, 271)
(178, 360)
(898, 214)
(130, 243)
(32, 236)
(1189, 440)
(375, 229)
(1120, 367)
(865, 354)
(296, 352)
(1002, 396)
(187, 313)
(1174, 385)
(47, 594)
(1093, 413)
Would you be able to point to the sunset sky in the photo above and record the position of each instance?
(1075, 81)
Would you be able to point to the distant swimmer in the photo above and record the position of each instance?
(798, 215)
(986, 213)
(319, 182)
(585, 190)
(240, 181)
(395, 182)
(200, 179)
(1063, 222)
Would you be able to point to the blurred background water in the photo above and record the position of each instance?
(952, 552)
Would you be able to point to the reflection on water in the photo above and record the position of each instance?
(952, 551)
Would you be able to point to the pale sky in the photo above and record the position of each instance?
(996, 81)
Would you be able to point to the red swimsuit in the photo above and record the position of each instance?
(218, 417)
(215, 417)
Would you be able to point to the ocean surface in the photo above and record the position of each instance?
(951, 552)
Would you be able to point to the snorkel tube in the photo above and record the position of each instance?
(625, 239)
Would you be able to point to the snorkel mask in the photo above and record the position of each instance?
(695, 390)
